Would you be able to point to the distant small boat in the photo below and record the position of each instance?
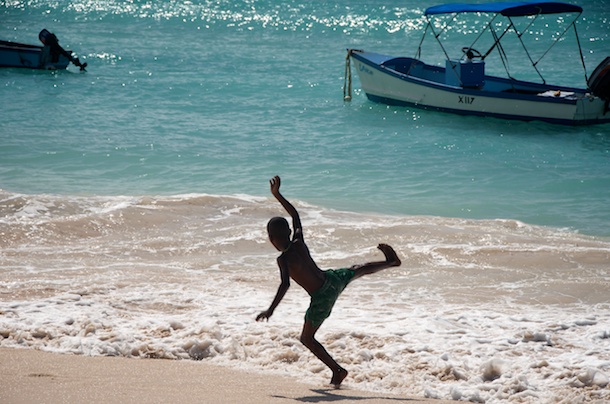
(50, 56)
(463, 87)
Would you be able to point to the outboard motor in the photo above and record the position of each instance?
(49, 39)
(599, 82)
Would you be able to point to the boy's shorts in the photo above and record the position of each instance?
(323, 299)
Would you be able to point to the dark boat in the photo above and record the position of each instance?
(49, 56)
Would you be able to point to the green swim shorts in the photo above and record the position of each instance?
(323, 299)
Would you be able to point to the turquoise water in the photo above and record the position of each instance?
(217, 97)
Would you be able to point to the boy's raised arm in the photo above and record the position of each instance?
(296, 220)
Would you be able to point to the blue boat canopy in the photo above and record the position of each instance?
(508, 9)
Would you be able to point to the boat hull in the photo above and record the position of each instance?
(13, 54)
(530, 101)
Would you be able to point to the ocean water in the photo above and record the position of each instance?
(134, 199)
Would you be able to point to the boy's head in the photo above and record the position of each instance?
(279, 232)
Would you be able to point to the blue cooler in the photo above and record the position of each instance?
(465, 74)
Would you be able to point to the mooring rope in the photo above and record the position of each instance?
(347, 79)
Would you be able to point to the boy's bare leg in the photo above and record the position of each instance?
(391, 260)
(309, 331)
(307, 338)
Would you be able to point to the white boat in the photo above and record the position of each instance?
(463, 87)
(50, 56)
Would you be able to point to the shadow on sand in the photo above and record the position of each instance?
(332, 395)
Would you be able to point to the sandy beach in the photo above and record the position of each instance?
(35, 376)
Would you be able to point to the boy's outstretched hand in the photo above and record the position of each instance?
(275, 185)
(264, 315)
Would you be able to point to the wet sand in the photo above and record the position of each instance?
(35, 376)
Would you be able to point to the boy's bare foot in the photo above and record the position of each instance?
(338, 377)
(390, 255)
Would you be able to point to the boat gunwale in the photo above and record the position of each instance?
(9, 45)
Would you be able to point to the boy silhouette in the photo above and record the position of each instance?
(324, 287)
